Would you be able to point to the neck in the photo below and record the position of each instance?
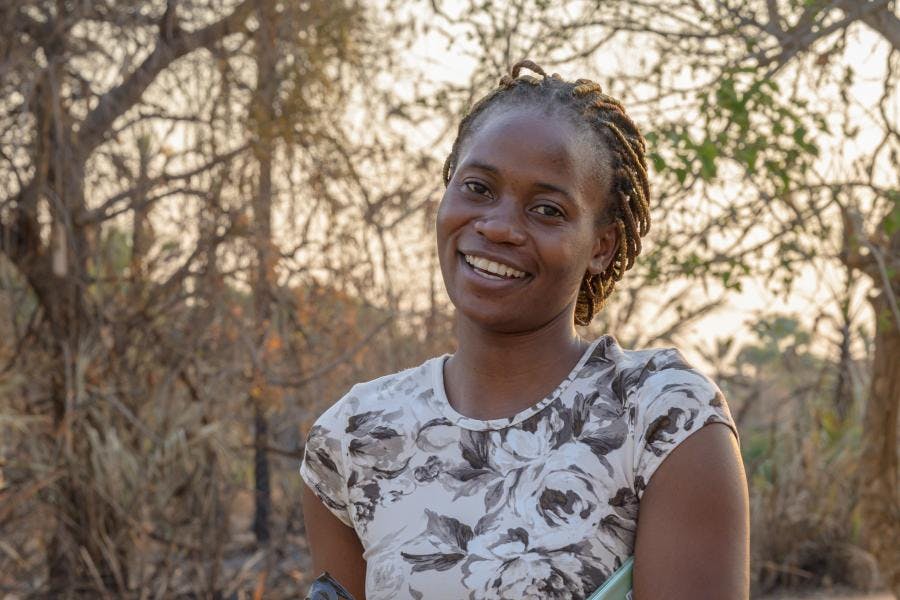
(494, 375)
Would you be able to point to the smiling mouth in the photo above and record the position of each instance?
(490, 269)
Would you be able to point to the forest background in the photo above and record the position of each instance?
(215, 216)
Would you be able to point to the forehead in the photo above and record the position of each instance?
(535, 143)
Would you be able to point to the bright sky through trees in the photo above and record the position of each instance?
(815, 286)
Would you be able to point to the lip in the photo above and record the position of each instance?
(474, 277)
(496, 259)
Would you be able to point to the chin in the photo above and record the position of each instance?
(500, 325)
(495, 319)
(507, 321)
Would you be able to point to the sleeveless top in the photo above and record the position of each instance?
(543, 504)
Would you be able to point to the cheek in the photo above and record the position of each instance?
(440, 221)
(569, 251)
(446, 223)
(449, 218)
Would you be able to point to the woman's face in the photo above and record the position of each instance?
(517, 227)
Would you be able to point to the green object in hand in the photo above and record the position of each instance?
(618, 586)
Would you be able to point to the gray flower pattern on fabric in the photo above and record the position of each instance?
(543, 504)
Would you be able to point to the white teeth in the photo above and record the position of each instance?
(493, 267)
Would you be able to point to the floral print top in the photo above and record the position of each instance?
(543, 504)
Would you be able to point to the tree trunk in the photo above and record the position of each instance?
(263, 119)
(141, 239)
(843, 389)
(58, 273)
(880, 496)
(263, 490)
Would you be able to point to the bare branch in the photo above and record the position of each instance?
(330, 366)
(878, 16)
(115, 102)
(103, 212)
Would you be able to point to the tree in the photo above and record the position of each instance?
(749, 108)
(50, 225)
(766, 116)
(96, 135)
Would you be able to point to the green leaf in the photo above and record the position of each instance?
(708, 153)
(891, 222)
(748, 156)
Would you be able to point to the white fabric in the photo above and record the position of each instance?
(541, 505)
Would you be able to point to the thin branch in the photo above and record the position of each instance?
(101, 213)
(115, 102)
(887, 288)
(878, 16)
(325, 369)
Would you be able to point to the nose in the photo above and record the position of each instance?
(502, 225)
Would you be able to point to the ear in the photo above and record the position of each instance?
(606, 241)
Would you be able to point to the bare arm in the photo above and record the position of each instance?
(693, 537)
(334, 546)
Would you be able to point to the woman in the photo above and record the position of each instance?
(518, 466)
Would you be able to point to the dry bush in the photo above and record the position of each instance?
(155, 469)
(801, 429)
(804, 522)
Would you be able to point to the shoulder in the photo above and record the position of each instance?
(667, 400)
(370, 414)
(643, 376)
(668, 375)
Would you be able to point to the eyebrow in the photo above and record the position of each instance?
(542, 185)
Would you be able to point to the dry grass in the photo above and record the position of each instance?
(147, 490)
(804, 490)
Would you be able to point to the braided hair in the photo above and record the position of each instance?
(629, 209)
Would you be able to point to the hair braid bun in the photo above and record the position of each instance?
(526, 64)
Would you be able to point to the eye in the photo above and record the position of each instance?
(548, 210)
(477, 187)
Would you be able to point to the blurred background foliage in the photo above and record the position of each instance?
(216, 216)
